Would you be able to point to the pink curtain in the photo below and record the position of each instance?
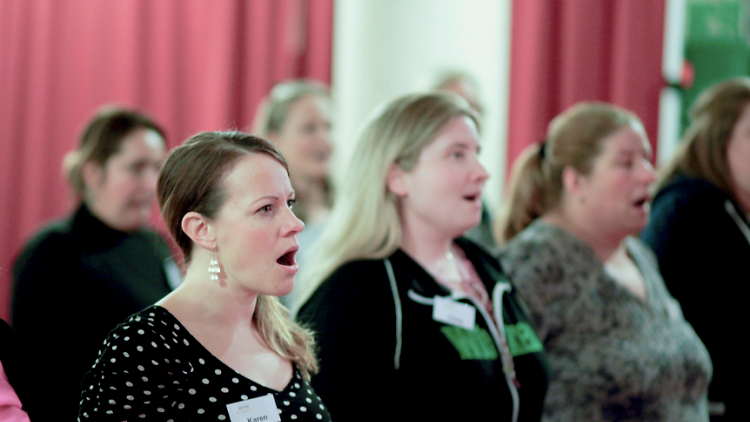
(193, 65)
(566, 51)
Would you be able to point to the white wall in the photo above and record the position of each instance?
(384, 48)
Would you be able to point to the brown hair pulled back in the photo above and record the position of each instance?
(101, 139)
(574, 139)
(191, 178)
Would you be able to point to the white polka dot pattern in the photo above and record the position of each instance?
(151, 368)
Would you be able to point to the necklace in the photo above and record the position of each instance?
(448, 269)
(452, 273)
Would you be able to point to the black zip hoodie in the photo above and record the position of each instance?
(383, 356)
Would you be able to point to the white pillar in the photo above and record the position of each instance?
(670, 101)
(384, 48)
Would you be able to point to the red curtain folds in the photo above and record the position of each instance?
(194, 65)
(566, 51)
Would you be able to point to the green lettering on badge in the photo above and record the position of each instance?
(522, 339)
(473, 344)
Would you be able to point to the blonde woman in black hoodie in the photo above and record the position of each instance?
(413, 321)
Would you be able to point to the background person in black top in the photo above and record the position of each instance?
(700, 233)
(467, 86)
(78, 278)
(411, 322)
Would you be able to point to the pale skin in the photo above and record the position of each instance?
(121, 192)
(225, 327)
(219, 314)
(440, 198)
(623, 175)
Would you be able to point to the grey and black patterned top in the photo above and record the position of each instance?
(613, 356)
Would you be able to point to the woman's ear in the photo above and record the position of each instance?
(573, 182)
(92, 174)
(197, 228)
(395, 179)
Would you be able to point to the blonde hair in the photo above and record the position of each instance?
(702, 153)
(192, 180)
(574, 139)
(364, 222)
(285, 337)
(273, 112)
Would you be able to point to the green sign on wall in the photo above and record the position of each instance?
(716, 44)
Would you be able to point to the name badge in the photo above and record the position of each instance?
(449, 311)
(259, 409)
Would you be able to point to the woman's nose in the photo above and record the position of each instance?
(481, 172)
(294, 225)
(326, 137)
(647, 171)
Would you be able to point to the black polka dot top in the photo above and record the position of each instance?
(151, 368)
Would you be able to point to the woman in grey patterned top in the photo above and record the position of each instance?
(618, 345)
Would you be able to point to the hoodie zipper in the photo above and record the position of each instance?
(497, 330)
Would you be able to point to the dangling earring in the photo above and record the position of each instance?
(213, 265)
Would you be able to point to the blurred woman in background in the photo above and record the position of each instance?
(296, 117)
(700, 233)
(465, 85)
(618, 345)
(78, 278)
(413, 321)
(220, 347)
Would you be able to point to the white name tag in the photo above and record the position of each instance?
(260, 409)
(449, 311)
